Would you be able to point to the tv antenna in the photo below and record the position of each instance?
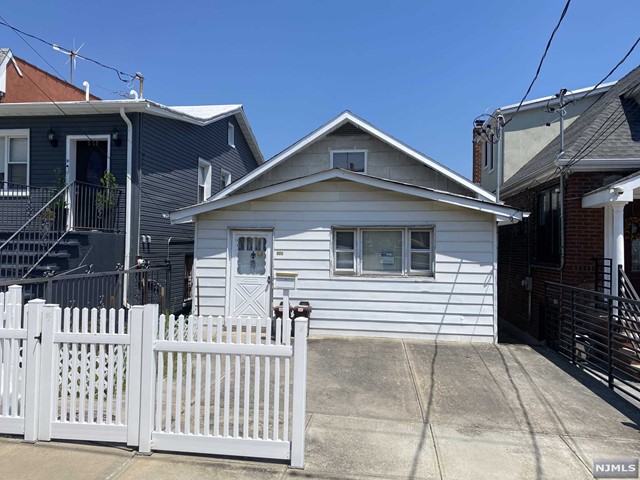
(73, 56)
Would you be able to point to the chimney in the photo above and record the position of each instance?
(478, 144)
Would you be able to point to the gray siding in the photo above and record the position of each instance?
(168, 155)
(383, 161)
(44, 158)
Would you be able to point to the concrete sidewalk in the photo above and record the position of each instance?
(403, 409)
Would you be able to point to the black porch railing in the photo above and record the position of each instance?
(602, 274)
(114, 289)
(18, 203)
(34, 220)
(94, 207)
(597, 332)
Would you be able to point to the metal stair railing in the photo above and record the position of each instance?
(629, 315)
(31, 243)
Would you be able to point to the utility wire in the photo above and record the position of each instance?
(546, 50)
(604, 79)
(119, 73)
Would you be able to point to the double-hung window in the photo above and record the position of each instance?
(548, 227)
(225, 178)
(394, 251)
(204, 180)
(14, 159)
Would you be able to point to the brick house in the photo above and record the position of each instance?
(581, 200)
(22, 82)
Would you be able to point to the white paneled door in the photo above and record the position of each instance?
(250, 278)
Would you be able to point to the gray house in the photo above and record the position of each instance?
(86, 183)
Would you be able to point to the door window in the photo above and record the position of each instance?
(252, 258)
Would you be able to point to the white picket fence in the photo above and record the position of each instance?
(189, 384)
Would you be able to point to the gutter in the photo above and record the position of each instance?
(129, 193)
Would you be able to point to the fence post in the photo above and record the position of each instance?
(51, 316)
(299, 392)
(31, 366)
(149, 334)
(610, 342)
(573, 326)
(14, 295)
(134, 372)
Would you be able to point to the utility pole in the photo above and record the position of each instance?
(500, 122)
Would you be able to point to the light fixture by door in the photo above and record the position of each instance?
(115, 137)
(52, 137)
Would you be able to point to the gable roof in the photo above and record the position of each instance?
(339, 121)
(608, 129)
(195, 114)
(504, 212)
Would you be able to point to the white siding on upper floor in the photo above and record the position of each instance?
(456, 304)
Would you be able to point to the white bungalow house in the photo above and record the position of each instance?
(385, 241)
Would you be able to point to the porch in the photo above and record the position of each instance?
(404, 409)
(620, 201)
(37, 222)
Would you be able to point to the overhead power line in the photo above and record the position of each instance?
(118, 72)
(622, 60)
(544, 55)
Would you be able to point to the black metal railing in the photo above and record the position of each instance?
(21, 252)
(602, 274)
(94, 207)
(18, 203)
(35, 228)
(115, 289)
(596, 331)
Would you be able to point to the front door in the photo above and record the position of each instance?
(250, 278)
(632, 243)
(91, 163)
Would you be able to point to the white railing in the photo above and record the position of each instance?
(12, 340)
(190, 384)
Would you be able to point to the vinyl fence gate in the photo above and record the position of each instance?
(224, 386)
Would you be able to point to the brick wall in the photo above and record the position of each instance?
(37, 85)
(516, 250)
(477, 155)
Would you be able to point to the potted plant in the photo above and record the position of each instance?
(107, 201)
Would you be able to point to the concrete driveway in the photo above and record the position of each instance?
(403, 409)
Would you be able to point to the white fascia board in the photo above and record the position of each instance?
(600, 164)
(189, 213)
(370, 129)
(96, 107)
(622, 191)
(537, 102)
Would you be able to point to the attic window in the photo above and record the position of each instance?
(354, 160)
(231, 135)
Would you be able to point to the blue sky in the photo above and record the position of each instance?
(421, 71)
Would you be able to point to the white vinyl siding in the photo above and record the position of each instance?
(456, 303)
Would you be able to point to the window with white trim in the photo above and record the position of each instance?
(225, 178)
(354, 160)
(392, 251)
(204, 180)
(14, 159)
(231, 134)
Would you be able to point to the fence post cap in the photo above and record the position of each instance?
(37, 300)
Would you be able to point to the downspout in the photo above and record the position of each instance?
(129, 193)
(562, 178)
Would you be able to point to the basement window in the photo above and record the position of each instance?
(381, 251)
